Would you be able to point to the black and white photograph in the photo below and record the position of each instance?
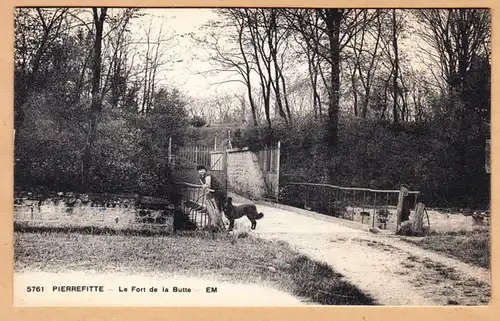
(251, 157)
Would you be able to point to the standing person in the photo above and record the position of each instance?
(218, 193)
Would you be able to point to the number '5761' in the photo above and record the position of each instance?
(34, 289)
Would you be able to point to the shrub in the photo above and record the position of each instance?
(197, 121)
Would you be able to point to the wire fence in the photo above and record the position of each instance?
(377, 208)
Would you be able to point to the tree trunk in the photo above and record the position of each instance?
(252, 103)
(395, 111)
(96, 105)
(247, 73)
(333, 18)
(354, 92)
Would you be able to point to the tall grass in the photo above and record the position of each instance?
(472, 247)
(239, 258)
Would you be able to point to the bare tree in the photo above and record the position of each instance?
(278, 36)
(458, 42)
(118, 72)
(396, 90)
(392, 77)
(150, 70)
(263, 40)
(232, 58)
(308, 35)
(35, 31)
(365, 48)
(327, 34)
(260, 57)
(269, 40)
(455, 39)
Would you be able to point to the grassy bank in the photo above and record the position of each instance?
(238, 258)
(472, 247)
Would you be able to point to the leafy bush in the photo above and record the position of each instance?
(197, 121)
(129, 154)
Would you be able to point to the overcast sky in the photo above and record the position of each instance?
(188, 60)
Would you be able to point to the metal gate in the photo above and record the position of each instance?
(218, 165)
(184, 160)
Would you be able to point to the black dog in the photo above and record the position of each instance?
(235, 212)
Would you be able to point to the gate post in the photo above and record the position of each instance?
(224, 169)
(403, 192)
(417, 225)
(277, 190)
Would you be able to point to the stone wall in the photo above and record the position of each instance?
(244, 175)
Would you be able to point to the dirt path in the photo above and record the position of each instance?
(390, 270)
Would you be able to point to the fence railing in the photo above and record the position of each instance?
(189, 156)
(378, 208)
(193, 203)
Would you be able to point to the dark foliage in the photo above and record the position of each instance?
(130, 153)
(197, 121)
(374, 154)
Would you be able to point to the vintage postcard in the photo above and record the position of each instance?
(251, 157)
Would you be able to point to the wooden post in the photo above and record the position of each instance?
(353, 203)
(330, 202)
(225, 171)
(402, 193)
(215, 143)
(374, 216)
(364, 201)
(417, 224)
